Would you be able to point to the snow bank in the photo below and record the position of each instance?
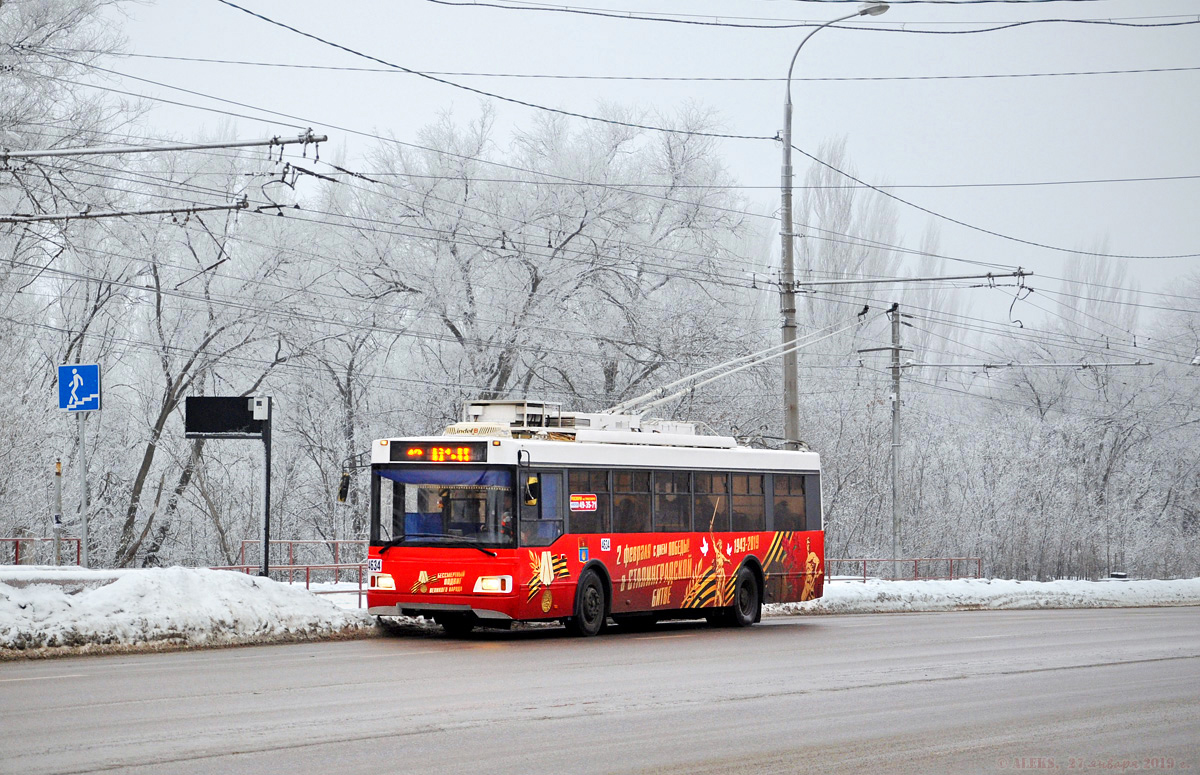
(72, 607)
(46, 606)
(878, 596)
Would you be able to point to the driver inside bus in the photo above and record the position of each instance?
(496, 528)
(475, 513)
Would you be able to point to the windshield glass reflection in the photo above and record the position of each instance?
(442, 506)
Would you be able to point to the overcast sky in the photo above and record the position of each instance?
(899, 132)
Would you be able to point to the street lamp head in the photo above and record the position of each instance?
(874, 9)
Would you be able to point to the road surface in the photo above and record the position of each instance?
(983, 691)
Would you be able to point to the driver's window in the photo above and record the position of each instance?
(541, 509)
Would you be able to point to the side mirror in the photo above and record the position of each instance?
(344, 487)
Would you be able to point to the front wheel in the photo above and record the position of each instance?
(590, 605)
(747, 602)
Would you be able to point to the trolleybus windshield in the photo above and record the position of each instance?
(442, 507)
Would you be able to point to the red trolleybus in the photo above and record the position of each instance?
(525, 513)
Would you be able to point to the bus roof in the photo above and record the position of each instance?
(587, 453)
(511, 429)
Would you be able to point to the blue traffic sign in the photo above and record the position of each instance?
(79, 387)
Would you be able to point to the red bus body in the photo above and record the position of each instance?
(660, 573)
(529, 567)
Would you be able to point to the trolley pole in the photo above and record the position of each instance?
(58, 512)
(83, 489)
(895, 315)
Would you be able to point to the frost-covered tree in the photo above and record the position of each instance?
(560, 281)
(52, 290)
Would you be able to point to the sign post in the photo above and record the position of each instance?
(79, 392)
(58, 512)
(260, 409)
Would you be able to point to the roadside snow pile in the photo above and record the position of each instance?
(47, 606)
(73, 607)
(878, 596)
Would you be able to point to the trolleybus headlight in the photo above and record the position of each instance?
(383, 581)
(494, 584)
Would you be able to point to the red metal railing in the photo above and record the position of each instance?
(291, 549)
(16, 542)
(292, 570)
(956, 567)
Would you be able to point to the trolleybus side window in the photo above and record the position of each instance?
(789, 502)
(589, 500)
(631, 501)
(541, 509)
(812, 500)
(749, 502)
(672, 501)
(712, 500)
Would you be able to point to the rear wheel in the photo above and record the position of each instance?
(590, 605)
(747, 602)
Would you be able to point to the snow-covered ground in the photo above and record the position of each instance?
(72, 607)
(46, 606)
(878, 596)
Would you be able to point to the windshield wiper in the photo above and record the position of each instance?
(395, 542)
(457, 540)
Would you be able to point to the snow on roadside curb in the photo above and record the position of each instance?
(877, 596)
(42, 607)
(46, 608)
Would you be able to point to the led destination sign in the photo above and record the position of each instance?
(465, 452)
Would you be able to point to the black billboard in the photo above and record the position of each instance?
(221, 417)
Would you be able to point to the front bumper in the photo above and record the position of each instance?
(430, 610)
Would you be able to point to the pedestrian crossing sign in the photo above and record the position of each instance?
(79, 387)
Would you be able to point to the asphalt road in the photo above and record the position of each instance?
(984, 691)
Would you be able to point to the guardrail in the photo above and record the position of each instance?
(17, 542)
(292, 570)
(955, 567)
(335, 544)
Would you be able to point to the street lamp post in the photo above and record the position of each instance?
(787, 274)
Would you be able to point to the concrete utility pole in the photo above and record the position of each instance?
(895, 315)
(787, 272)
(896, 368)
(895, 349)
